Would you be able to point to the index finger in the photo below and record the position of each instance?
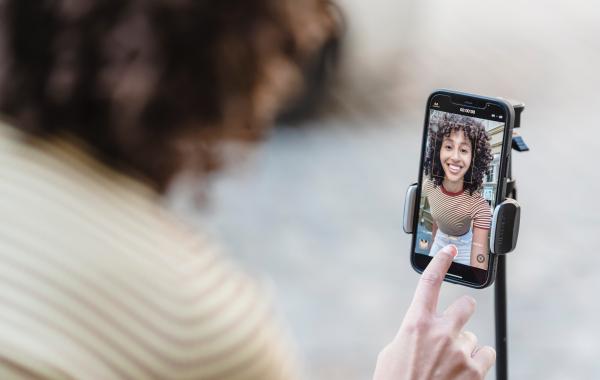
(428, 289)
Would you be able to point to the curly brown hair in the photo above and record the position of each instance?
(480, 143)
(152, 85)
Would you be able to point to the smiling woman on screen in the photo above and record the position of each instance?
(458, 157)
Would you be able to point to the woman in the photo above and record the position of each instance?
(105, 102)
(458, 157)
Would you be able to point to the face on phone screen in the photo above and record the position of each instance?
(460, 174)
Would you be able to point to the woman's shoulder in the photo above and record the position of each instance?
(90, 234)
(478, 196)
(478, 201)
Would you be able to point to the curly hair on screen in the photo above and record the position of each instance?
(151, 87)
(480, 143)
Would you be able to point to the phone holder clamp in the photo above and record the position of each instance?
(507, 215)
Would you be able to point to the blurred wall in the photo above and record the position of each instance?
(397, 51)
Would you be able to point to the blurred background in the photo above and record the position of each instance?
(316, 211)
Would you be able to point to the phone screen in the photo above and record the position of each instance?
(460, 176)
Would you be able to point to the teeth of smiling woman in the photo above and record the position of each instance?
(454, 168)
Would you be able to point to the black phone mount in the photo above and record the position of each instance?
(503, 240)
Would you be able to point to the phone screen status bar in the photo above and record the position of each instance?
(471, 112)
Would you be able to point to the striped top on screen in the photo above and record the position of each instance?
(454, 212)
(98, 281)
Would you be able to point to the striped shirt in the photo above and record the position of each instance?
(98, 281)
(454, 212)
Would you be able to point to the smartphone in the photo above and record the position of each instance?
(462, 177)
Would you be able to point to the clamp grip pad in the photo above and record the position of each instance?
(505, 227)
(410, 202)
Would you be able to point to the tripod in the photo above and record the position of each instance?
(500, 285)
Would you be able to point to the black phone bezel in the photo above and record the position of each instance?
(460, 273)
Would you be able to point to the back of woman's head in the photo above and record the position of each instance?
(152, 85)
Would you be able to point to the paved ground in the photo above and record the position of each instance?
(318, 211)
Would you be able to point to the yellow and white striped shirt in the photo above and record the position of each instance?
(98, 281)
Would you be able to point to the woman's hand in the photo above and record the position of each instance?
(433, 346)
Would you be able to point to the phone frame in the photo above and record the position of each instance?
(419, 261)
